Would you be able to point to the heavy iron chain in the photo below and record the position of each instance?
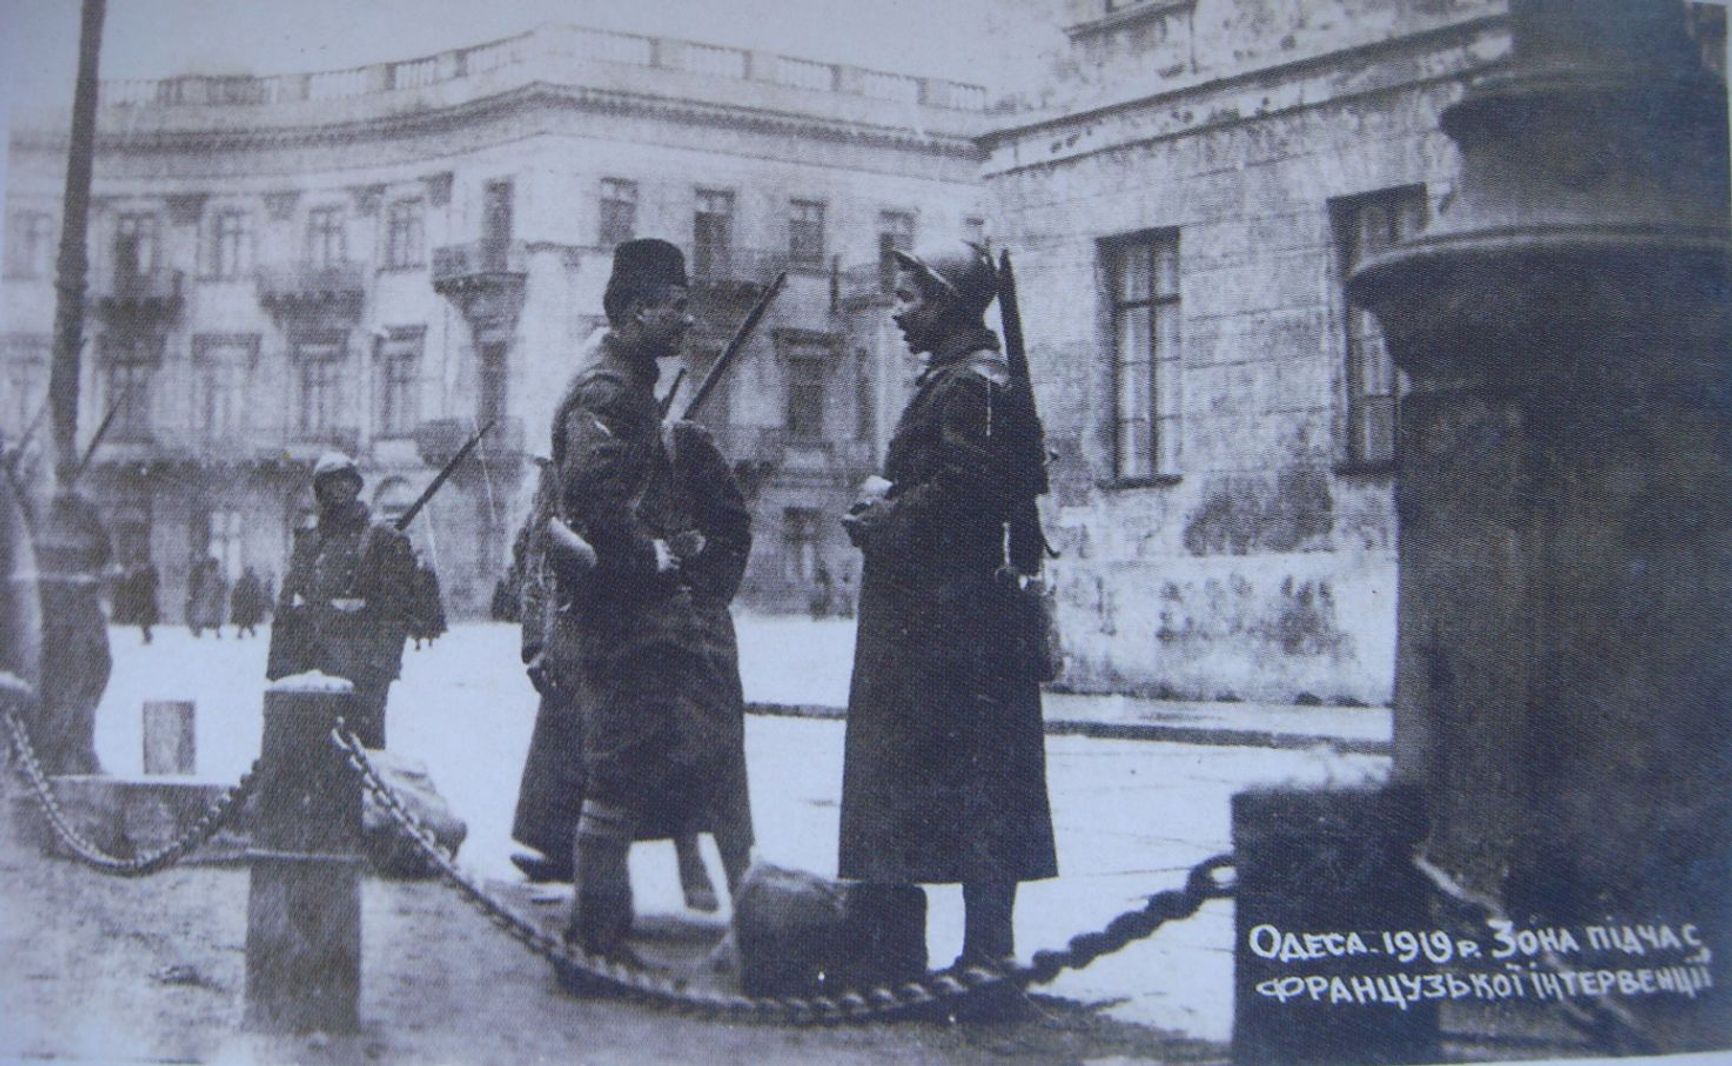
(882, 1003)
(215, 817)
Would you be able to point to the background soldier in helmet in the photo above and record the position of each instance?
(944, 777)
(344, 608)
(659, 720)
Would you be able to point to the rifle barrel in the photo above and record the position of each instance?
(440, 478)
(735, 344)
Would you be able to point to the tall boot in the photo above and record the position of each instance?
(601, 913)
(988, 934)
(695, 883)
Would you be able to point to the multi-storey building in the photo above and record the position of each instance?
(1200, 180)
(384, 258)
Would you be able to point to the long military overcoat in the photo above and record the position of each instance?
(651, 677)
(944, 777)
(344, 605)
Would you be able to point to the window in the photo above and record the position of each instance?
(806, 233)
(618, 211)
(29, 244)
(974, 229)
(325, 242)
(231, 245)
(496, 225)
(25, 383)
(225, 541)
(805, 409)
(399, 364)
(393, 499)
(128, 365)
(895, 233)
(712, 233)
(135, 245)
(219, 384)
(1144, 275)
(404, 241)
(1365, 226)
(320, 367)
(800, 527)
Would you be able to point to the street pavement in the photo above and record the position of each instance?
(1131, 815)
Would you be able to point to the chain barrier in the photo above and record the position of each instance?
(924, 995)
(215, 817)
(1600, 1018)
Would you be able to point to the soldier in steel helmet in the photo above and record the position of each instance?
(345, 608)
(944, 777)
(654, 679)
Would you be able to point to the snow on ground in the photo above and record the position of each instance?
(1130, 816)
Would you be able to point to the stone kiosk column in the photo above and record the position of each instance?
(1564, 670)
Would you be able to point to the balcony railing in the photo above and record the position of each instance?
(142, 292)
(438, 439)
(461, 262)
(559, 44)
(338, 287)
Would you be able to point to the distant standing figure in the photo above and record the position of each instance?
(346, 603)
(206, 596)
(136, 600)
(821, 603)
(247, 604)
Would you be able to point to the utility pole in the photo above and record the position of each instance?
(74, 264)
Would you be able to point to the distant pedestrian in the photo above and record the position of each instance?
(822, 600)
(426, 617)
(135, 601)
(247, 604)
(206, 597)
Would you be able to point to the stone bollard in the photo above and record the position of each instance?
(304, 907)
(1325, 862)
(169, 744)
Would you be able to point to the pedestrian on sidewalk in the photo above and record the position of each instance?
(944, 774)
(247, 604)
(207, 595)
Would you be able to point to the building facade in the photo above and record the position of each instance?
(1186, 204)
(386, 258)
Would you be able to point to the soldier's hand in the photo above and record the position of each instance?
(539, 675)
(687, 544)
(861, 522)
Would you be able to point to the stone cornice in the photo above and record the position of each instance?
(1369, 53)
(512, 104)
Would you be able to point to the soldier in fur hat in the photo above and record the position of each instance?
(649, 673)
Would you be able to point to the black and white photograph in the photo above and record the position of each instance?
(734, 531)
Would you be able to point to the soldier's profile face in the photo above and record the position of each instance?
(914, 313)
(666, 321)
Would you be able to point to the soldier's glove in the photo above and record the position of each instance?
(539, 675)
(687, 545)
(571, 555)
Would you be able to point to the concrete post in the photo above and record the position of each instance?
(1325, 862)
(170, 746)
(304, 906)
(1563, 685)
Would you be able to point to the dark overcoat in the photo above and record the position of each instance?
(344, 605)
(944, 777)
(650, 676)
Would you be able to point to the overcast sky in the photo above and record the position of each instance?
(162, 38)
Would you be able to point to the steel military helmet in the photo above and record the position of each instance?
(335, 464)
(961, 268)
